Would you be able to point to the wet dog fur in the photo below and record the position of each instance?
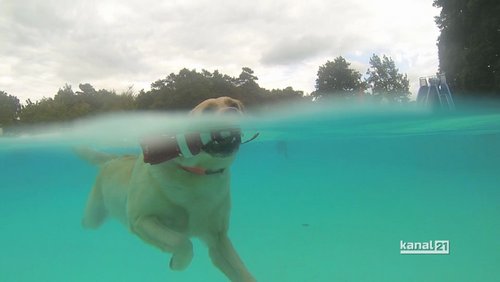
(165, 205)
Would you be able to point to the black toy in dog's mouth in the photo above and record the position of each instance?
(218, 143)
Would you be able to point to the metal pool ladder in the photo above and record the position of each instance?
(434, 92)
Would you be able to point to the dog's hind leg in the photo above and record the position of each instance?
(95, 211)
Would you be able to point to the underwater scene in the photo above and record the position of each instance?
(323, 194)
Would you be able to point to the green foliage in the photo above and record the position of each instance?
(385, 80)
(181, 91)
(9, 109)
(42, 111)
(337, 79)
(287, 95)
(246, 77)
(188, 88)
(68, 105)
(469, 45)
(184, 90)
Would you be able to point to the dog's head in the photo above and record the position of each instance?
(218, 106)
(209, 150)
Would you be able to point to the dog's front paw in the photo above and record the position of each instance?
(182, 258)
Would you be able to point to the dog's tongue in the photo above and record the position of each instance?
(195, 170)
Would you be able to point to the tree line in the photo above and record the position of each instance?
(185, 89)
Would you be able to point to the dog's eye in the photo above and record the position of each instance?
(210, 109)
(232, 105)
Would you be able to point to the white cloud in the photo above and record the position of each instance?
(113, 44)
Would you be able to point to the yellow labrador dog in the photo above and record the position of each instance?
(177, 189)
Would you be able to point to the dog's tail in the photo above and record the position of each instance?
(94, 157)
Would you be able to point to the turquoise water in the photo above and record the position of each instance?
(320, 196)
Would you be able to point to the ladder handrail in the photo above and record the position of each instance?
(437, 82)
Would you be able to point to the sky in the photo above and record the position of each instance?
(115, 44)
